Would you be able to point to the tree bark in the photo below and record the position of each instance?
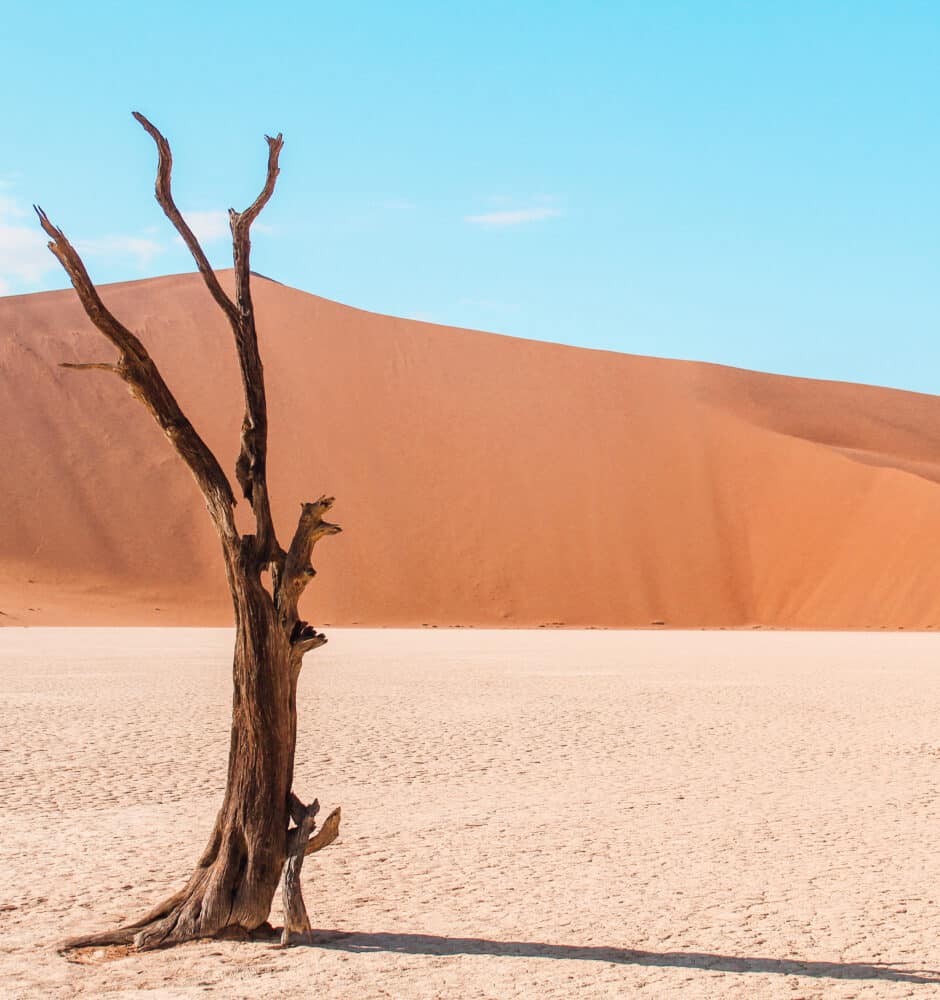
(231, 890)
(235, 880)
(232, 887)
(296, 922)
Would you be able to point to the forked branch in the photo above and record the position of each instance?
(300, 843)
(295, 911)
(251, 466)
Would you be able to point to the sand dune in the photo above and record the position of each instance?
(481, 479)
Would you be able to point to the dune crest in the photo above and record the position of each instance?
(480, 479)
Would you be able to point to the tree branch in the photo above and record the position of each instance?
(251, 466)
(298, 811)
(246, 218)
(304, 638)
(141, 374)
(164, 196)
(85, 366)
(297, 571)
(327, 833)
(296, 922)
(313, 642)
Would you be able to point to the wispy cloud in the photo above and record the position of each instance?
(212, 225)
(209, 226)
(513, 216)
(25, 261)
(141, 247)
(9, 208)
(24, 257)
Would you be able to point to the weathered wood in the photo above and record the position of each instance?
(327, 833)
(231, 889)
(138, 370)
(297, 571)
(86, 366)
(251, 466)
(296, 922)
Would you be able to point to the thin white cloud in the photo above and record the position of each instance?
(25, 260)
(141, 247)
(212, 225)
(26, 264)
(24, 257)
(9, 208)
(209, 226)
(513, 216)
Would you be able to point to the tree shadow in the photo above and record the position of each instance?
(433, 944)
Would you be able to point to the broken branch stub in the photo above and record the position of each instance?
(297, 571)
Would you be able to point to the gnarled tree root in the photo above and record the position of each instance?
(194, 912)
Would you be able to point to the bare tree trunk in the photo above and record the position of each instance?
(231, 890)
(235, 880)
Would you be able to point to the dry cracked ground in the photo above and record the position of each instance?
(526, 813)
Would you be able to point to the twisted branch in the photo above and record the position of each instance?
(251, 466)
(164, 196)
(138, 370)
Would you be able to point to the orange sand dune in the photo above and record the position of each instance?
(480, 479)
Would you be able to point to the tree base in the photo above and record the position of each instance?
(195, 913)
(125, 939)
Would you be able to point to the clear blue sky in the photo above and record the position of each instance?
(754, 183)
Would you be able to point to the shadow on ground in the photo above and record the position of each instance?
(432, 944)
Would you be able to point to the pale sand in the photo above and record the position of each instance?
(527, 814)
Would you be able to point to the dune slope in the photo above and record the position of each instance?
(480, 479)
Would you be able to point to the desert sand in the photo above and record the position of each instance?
(526, 813)
(480, 479)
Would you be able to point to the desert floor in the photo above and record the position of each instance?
(526, 814)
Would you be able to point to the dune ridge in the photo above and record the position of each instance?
(480, 479)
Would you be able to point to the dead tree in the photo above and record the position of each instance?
(252, 843)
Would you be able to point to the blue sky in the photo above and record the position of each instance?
(756, 184)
